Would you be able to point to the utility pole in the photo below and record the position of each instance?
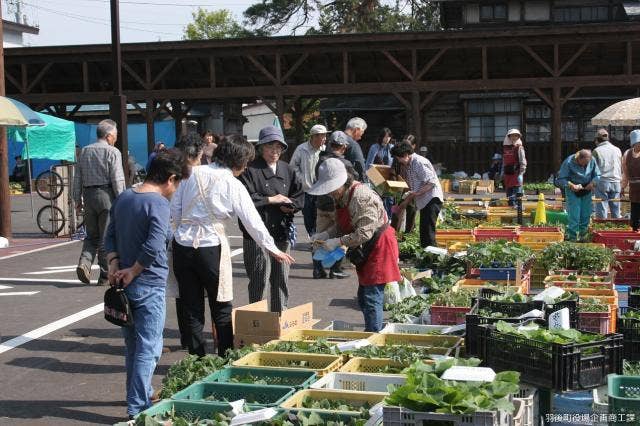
(5, 198)
(118, 104)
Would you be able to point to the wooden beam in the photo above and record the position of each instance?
(13, 81)
(295, 66)
(24, 76)
(556, 59)
(537, 58)
(556, 129)
(278, 69)
(41, 74)
(164, 72)
(570, 94)
(142, 111)
(75, 109)
(262, 69)
(629, 64)
(345, 67)
(431, 63)
(85, 77)
(427, 100)
(135, 75)
(416, 117)
(160, 107)
(485, 66)
(397, 64)
(543, 96)
(402, 100)
(212, 72)
(414, 63)
(151, 133)
(573, 58)
(147, 73)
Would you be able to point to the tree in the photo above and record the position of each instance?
(214, 25)
(344, 16)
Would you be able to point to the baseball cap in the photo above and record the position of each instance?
(318, 129)
(338, 138)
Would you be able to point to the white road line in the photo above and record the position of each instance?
(38, 249)
(60, 267)
(49, 328)
(236, 252)
(19, 293)
(5, 287)
(58, 271)
(45, 280)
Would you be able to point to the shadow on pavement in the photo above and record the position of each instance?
(59, 409)
(73, 346)
(57, 366)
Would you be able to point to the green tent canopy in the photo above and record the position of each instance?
(56, 140)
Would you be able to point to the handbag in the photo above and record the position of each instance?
(358, 255)
(116, 307)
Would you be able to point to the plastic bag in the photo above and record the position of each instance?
(406, 289)
(392, 293)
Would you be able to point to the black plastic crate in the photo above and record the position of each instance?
(471, 336)
(634, 299)
(572, 305)
(551, 365)
(630, 330)
(510, 309)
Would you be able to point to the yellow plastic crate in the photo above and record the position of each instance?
(540, 237)
(458, 247)
(321, 364)
(329, 335)
(355, 399)
(535, 246)
(375, 365)
(423, 340)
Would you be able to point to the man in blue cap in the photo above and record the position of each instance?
(631, 176)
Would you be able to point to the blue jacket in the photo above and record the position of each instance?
(385, 155)
(571, 171)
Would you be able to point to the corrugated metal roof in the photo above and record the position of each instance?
(632, 8)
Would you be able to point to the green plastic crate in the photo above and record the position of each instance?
(554, 217)
(273, 376)
(254, 395)
(624, 395)
(190, 410)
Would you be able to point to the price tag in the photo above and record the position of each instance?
(560, 320)
(254, 416)
(237, 407)
(536, 313)
(469, 374)
(353, 344)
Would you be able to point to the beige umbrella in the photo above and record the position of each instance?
(624, 113)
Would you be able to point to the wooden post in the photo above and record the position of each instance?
(151, 135)
(299, 125)
(556, 129)
(5, 197)
(118, 104)
(417, 118)
(281, 110)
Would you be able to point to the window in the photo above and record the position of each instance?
(493, 12)
(569, 131)
(588, 131)
(581, 14)
(537, 132)
(489, 120)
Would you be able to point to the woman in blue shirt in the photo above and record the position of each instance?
(380, 154)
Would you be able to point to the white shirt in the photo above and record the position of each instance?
(420, 172)
(228, 199)
(609, 159)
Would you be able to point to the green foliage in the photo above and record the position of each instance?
(216, 24)
(538, 186)
(631, 368)
(589, 304)
(538, 334)
(576, 256)
(631, 314)
(334, 405)
(411, 306)
(425, 391)
(497, 254)
(460, 298)
(604, 226)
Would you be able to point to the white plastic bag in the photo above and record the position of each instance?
(406, 289)
(392, 293)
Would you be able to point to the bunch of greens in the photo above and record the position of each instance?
(510, 297)
(334, 405)
(533, 332)
(443, 263)
(409, 244)
(170, 418)
(631, 368)
(460, 298)
(411, 306)
(319, 346)
(426, 392)
(497, 254)
(589, 304)
(538, 186)
(488, 313)
(266, 380)
(435, 284)
(314, 419)
(631, 314)
(603, 226)
(579, 257)
(403, 354)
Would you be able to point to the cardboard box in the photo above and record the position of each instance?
(240, 340)
(485, 187)
(380, 177)
(256, 320)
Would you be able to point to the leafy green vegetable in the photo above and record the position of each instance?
(631, 368)
(575, 256)
(497, 254)
(412, 306)
(589, 304)
(603, 226)
(562, 337)
(334, 405)
(631, 314)
(539, 186)
(460, 298)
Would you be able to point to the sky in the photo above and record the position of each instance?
(65, 22)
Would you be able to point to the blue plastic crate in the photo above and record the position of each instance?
(498, 274)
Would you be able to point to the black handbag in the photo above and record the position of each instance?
(582, 192)
(116, 307)
(358, 255)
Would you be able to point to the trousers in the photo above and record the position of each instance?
(97, 203)
(262, 268)
(606, 191)
(579, 210)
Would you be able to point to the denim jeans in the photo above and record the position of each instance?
(371, 300)
(579, 210)
(607, 191)
(511, 194)
(309, 213)
(143, 342)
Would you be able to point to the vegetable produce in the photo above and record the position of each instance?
(589, 304)
(440, 284)
(411, 306)
(603, 226)
(334, 405)
(631, 368)
(460, 298)
(631, 314)
(409, 245)
(534, 332)
(538, 186)
(574, 256)
(264, 380)
(510, 297)
(425, 391)
(497, 254)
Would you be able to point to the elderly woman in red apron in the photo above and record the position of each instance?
(514, 164)
(361, 225)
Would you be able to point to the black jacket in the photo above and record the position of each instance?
(262, 183)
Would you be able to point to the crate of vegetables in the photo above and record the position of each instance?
(629, 327)
(359, 382)
(566, 300)
(328, 335)
(402, 328)
(374, 365)
(563, 360)
(263, 376)
(447, 237)
(450, 308)
(503, 233)
(499, 286)
(174, 412)
(422, 340)
(568, 257)
(634, 296)
(322, 364)
(623, 240)
(595, 317)
(580, 281)
(254, 395)
(333, 401)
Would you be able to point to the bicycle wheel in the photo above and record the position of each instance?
(50, 220)
(49, 185)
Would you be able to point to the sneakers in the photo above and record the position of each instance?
(84, 273)
(338, 274)
(319, 274)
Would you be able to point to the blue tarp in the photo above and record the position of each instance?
(86, 134)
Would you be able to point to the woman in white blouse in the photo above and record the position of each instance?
(201, 253)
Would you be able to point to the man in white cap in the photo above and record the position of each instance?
(631, 177)
(609, 159)
(362, 226)
(304, 161)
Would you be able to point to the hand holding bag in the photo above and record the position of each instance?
(116, 307)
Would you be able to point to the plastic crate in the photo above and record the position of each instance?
(498, 274)
(623, 240)
(551, 365)
(538, 274)
(400, 416)
(562, 281)
(374, 365)
(329, 335)
(527, 413)
(355, 399)
(596, 322)
(571, 305)
(448, 315)
(600, 406)
(339, 325)
(359, 382)
(255, 395)
(634, 299)
(447, 237)
(322, 364)
(273, 376)
(458, 247)
(496, 234)
(540, 237)
(624, 395)
(444, 342)
(630, 330)
(540, 229)
(396, 327)
(189, 410)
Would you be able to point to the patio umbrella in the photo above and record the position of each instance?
(624, 113)
(16, 114)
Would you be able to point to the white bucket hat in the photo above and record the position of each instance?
(332, 174)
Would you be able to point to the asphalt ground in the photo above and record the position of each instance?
(75, 374)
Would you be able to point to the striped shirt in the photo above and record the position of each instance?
(99, 164)
(418, 173)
